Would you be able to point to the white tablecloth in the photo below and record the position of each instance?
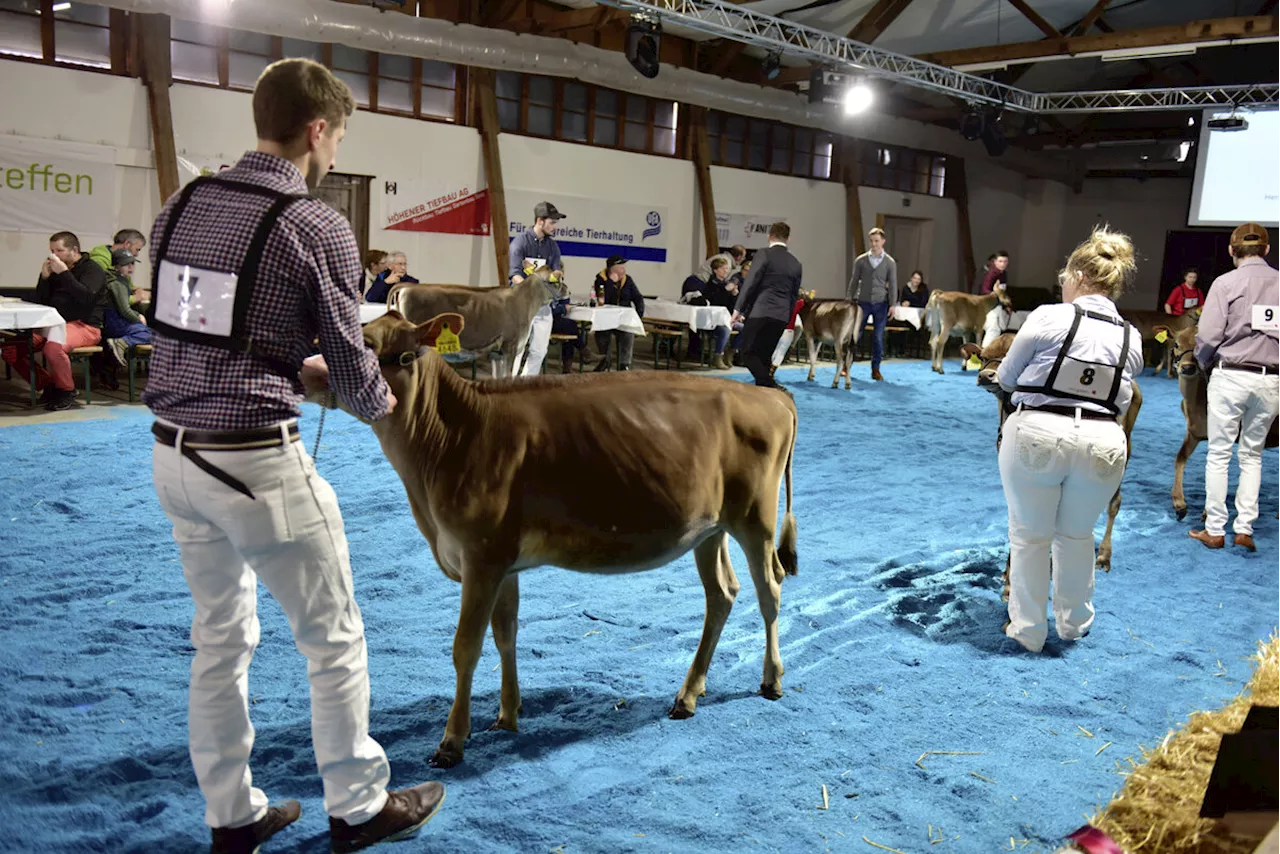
(694, 316)
(914, 316)
(40, 318)
(605, 317)
(371, 311)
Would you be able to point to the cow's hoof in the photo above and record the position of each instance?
(1104, 565)
(509, 726)
(771, 692)
(679, 712)
(446, 757)
(1180, 512)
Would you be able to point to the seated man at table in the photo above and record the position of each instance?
(122, 327)
(132, 240)
(75, 287)
(396, 272)
(614, 287)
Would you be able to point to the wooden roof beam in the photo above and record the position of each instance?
(1189, 33)
(1091, 17)
(877, 20)
(1034, 17)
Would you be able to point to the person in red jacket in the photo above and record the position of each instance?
(1186, 296)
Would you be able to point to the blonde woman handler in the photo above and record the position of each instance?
(1070, 372)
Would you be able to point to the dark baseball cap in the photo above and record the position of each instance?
(122, 257)
(546, 210)
(614, 260)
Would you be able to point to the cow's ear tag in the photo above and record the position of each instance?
(1162, 336)
(447, 341)
(407, 359)
(974, 362)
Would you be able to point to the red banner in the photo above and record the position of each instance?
(467, 214)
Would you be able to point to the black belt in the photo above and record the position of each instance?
(1253, 369)
(222, 440)
(1070, 412)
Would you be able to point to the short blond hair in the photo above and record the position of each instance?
(292, 93)
(877, 230)
(1104, 263)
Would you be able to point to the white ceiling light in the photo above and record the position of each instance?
(858, 98)
(1184, 148)
(61, 7)
(1128, 53)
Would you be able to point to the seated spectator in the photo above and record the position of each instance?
(76, 287)
(916, 294)
(1186, 296)
(375, 261)
(122, 326)
(717, 289)
(126, 238)
(614, 287)
(734, 258)
(396, 272)
(794, 328)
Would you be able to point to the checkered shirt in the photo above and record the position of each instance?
(308, 287)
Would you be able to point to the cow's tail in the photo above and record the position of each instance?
(786, 550)
(932, 315)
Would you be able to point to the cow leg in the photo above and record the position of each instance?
(506, 613)
(1179, 467)
(835, 381)
(757, 543)
(721, 587)
(479, 592)
(1103, 559)
(1004, 580)
(813, 354)
(938, 345)
(848, 368)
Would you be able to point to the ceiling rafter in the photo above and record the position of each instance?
(1034, 17)
(877, 20)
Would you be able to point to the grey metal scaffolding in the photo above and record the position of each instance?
(727, 20)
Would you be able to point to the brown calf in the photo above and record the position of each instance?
(1151, 323)
(948, 310)
(1194, 385)
(833, 320)
(591, 472)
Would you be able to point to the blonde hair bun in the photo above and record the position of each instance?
(1105, 263)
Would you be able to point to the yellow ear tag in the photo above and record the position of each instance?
(555, 278)
(1162, 336)
(974, 363)
(528, 270)
(447, 341)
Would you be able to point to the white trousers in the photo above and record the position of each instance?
(539, 339)
(997, 321)
(1240, 403)
(290, 536)
(784, 343)
(1059, 473)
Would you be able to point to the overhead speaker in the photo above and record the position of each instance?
(971, 124)
(993, 135)
(644, 38)
(771, 65)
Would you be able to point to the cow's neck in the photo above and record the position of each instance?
(437, 414)
(530, 294)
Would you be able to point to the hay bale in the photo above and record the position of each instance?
(1158, 809)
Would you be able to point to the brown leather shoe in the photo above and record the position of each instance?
(404, 815)
(875, 375)
(248, 838)
(1246, 541)
(1210, 541)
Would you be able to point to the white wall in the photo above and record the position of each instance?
(1058, 219)
(942, 230)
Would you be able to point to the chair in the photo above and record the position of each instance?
(137, 355)
(562, 339)
(665, 335)
(84, 355)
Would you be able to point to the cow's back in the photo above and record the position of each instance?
(829, 319)
(486, 310)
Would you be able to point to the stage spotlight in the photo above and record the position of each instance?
(644, 36)
(971, 124)
(993, 134)
(1032, 126)
(771, 65)
(858, 98)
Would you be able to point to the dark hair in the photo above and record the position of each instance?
(373, 256)
(67, 239)
(292, 93)
(1190, 270)
(919, 273)
(718, 262)
(127, 235)
(1000, 254)
(780, 231)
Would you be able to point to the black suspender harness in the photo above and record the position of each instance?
(1078, 379)
(208, 306)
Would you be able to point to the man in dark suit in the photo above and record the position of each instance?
(766, 300)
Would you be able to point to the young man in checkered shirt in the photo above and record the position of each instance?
(243, 495)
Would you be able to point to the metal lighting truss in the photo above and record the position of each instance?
(730, 21)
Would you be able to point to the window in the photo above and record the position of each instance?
(665, 124)
(193, 51)
(541, 100)
(395, 84)
(439, 90)
(249, 55)
(605, 130)
(769, 146)
(573, 112)
(20, 29)
(508, 89)
(351, 66)
(903, 169)
(82, 35)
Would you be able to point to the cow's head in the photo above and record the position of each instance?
(1184, 351)
(552, 282)
(991, 355)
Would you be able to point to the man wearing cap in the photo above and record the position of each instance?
(1238, 333)
(532, 248)
(614, 287)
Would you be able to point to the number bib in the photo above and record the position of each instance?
(1266, 318)
(194, 299)
(1084, 379)
(1190, 302)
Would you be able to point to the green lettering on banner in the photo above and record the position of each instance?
(12, 182)
(62, 182)
(80, 178)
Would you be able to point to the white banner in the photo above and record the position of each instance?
(750, 231)
(48, 186)
(596, 228)
(441, 206)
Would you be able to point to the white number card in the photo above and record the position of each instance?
(196, 300)
(1085, 379)
(1266, 318)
